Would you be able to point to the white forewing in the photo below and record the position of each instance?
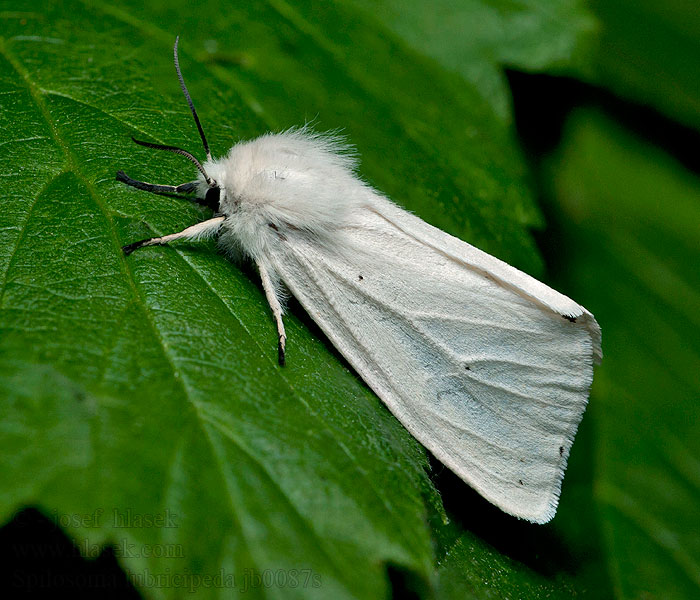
(493, 268)
(474, 357)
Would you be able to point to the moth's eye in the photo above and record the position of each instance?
(211, 199)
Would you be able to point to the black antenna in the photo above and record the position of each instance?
(180, 151)
(189, 100)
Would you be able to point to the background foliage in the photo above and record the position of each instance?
(148, 385)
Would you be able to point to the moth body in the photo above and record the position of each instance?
(487, 367)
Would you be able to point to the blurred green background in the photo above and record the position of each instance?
(151, 446)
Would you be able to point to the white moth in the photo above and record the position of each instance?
(487, 367)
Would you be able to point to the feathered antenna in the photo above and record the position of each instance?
(189, 100)
(175, 149)
(180, 151)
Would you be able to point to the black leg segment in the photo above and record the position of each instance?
(129, 248)
(280, 352)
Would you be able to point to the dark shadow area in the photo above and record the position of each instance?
(405, 584)
(37, 560)
(536, 546)
(541, 104)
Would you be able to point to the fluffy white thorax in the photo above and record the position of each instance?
(282, 184)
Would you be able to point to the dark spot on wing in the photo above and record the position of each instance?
(520, 481)
(467, 368)
(561, 450)
(360, 278)
(273, 226)
(570, 318)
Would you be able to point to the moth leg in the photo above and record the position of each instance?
(276, 308)
(154, 188)
(194, 232)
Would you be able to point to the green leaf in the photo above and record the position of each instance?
(148, 385)
(644, 51)
(648, 52)
(630, 215)
(477, 38)
(472, 569)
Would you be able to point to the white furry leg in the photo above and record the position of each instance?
(195, 232)
(276, 308)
